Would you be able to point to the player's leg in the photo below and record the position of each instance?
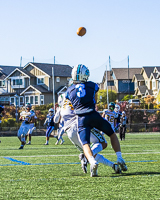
(72, 134)
(60, 135)
(124, 131)
(98, 140)
(120, 132)
(48, 133)
(101, 124)
(84, 135)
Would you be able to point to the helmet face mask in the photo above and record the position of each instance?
(111, 106)
(80, 73)
(28, 106)
(51, 111)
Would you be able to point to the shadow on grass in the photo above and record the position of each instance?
(137, 174)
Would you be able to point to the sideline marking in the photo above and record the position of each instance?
(25, 163)
(18, 161)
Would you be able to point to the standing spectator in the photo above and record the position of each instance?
(123, 122)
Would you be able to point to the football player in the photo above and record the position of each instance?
(50, 125)
(123, 122)
(28, 119)
(32, 123)
(98, 141)
(82, 97)
(119, 113)
(110, 115)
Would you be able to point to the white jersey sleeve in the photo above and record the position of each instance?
(57, 115)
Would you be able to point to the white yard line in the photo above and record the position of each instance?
(34, 156)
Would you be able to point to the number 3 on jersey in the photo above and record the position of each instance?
(81, 90)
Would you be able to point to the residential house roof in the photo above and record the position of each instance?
(148, 92)
(148, 70)
(7, 69)
(109, 76)
(155, 75)
(59, 70)
(139, 77)
(39, 88)
(142, 89)
(158, 68)
(122, 73)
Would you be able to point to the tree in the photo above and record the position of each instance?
(127, 97)
(149, 100)
(102, 96)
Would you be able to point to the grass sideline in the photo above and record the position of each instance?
(54, 171)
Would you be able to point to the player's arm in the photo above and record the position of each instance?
(57, 116)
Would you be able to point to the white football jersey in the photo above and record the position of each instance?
(110, 117)
(26, 116)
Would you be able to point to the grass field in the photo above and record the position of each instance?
(54, 172)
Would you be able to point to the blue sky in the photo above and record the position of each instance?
(47, 28)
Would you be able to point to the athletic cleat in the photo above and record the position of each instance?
(84, 162)
(122, 164)
(62, 142)
(21, 147)
(117, 169)
(28, 143)
(94, 170)
(57, 142)
(46, 144)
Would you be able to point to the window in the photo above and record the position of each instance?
(36, 100)
(17, 81)
(2, 83)
(57, 79)
(146, 82)
(135, 84)
(42, 100)
(40, 80)
(31, 99)
(27, 100)
(12, 100)
(153, 84)
(21, 101)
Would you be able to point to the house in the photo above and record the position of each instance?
(145, 82)
(120, 80)
(4, 71)
(35, 84)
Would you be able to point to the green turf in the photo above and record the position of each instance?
(55, 173)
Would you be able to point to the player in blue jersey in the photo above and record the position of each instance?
(50, 125)
(82, 96)
(28, 119)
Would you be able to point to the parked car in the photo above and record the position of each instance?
(134, 103)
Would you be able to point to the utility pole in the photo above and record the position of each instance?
(53, 86)
(110, 74)
(129, 96)
(107, 86)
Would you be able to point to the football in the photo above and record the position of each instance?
(81, 31)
